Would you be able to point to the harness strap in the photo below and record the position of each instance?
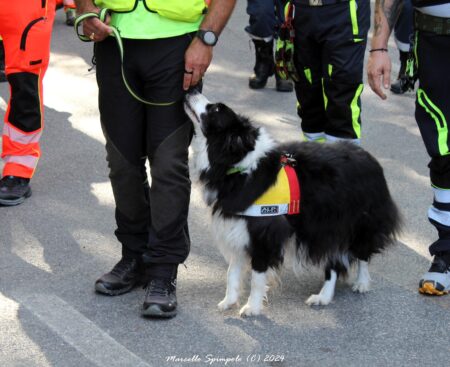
(116, 34)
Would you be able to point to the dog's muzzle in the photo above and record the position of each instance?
(195, 105)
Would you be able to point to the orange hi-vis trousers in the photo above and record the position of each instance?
(26, 27)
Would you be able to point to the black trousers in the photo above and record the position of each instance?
(433, 117)
(151, 217)
(330, 42)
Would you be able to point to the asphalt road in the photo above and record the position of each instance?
(53, 248)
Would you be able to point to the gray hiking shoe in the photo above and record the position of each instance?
(436, 282)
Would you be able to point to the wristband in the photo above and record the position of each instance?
(379, 49)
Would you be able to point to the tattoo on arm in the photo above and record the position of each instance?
(389, 10)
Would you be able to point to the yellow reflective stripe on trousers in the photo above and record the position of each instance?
(439, 119)
(308, 75)
(356, 111)
(416, 41)
(354, 17)
(325, 98)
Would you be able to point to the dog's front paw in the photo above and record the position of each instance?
(248, 310)
(226, 304)
(318, 300)
(361, 287)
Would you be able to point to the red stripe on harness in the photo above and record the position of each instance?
(294, 187)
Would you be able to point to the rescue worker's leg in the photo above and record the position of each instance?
(168, 137)
(123, 124)
(69, 9)
(308, 61)
(433, 117)
(151, 222)
(342, 65)
(26, 30)
(403, 33)
(262, 28)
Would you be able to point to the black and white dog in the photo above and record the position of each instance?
(346, 211)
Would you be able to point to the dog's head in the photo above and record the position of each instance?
(228, 136)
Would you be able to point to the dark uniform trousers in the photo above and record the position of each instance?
(433, 116)
(151, 217)
(330, 41)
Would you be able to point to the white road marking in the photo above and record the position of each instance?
(81, 333)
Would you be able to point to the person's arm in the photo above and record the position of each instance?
(379, 63)
(93, 28)
(198, 56)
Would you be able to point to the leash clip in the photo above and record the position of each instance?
(287, 159)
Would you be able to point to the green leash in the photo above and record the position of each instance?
(102, 16)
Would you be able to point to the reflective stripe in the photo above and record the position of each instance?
(308, 75)
(439, 216)
(20, 137)
(356, 111)
(325, 98)
(332, 139)
(354, 17)
(13, 169)
(260, 211)
(24, 160)
(319, 137)
(441, 195)
(330, 70)
(439, 119)
(416, 41)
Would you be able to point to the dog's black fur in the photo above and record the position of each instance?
(346, 207)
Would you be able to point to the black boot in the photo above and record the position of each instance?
(70, 17)
(2, 63)
(264, 65)
(160, 292)
(402, 84)
(14, 190)
(284, 85)
(121, 279)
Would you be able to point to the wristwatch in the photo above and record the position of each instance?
(209, 38)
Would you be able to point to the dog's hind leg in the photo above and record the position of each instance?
(257, 296)
(362, 282)
(326, 294)
(236, 269)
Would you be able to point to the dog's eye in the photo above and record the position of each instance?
(216, 109)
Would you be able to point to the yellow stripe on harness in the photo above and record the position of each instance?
(280, 199)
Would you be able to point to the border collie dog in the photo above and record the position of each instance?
(346, 213)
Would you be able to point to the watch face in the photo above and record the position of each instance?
(210, 38)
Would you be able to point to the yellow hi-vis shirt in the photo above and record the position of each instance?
(280, 199)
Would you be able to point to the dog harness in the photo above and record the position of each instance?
(281, 198)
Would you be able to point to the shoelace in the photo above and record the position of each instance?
(159, 287)
(123, 267)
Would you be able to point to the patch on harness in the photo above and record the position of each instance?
(269, 210)
(281, 198)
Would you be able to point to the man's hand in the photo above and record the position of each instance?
(379, 72)
(197, 58)
(95, 29)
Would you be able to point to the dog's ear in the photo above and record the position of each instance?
(237, 146)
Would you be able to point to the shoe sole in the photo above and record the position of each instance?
(99, 288)
(155, 312)
(17, 201)
(430, 288)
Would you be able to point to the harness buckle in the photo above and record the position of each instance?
(287, 159)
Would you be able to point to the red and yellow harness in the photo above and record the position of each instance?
(281, 198)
